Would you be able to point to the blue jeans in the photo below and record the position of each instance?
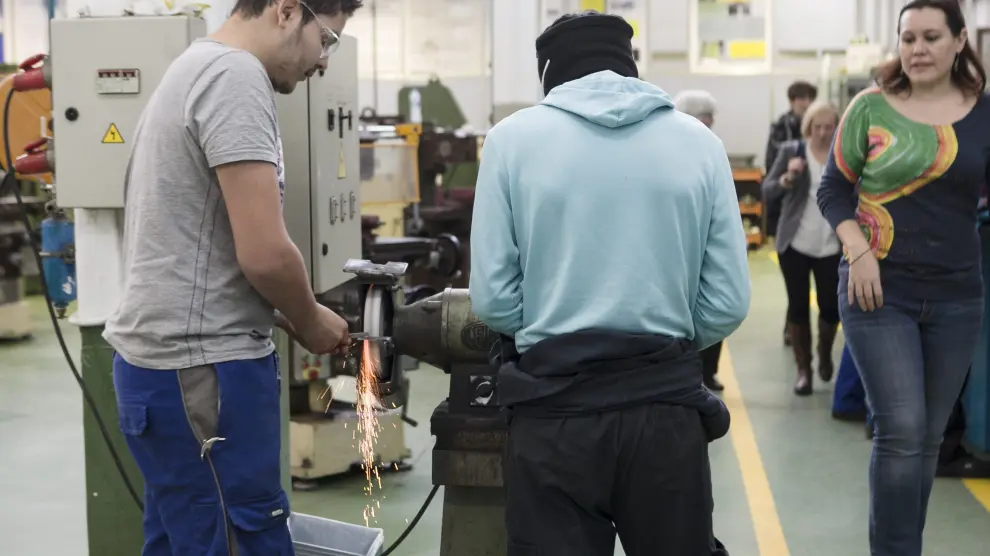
(913, 356)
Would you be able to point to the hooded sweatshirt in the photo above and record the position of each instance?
(602, 207)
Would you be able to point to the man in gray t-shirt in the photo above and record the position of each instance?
(209, 270)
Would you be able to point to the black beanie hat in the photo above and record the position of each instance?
(577, 45)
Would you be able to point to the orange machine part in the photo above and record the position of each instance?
(30, 113)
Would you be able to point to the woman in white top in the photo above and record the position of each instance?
(806, 244)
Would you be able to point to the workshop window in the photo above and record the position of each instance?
(412, 40)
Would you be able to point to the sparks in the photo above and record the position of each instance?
(368, 426)
(330, 400)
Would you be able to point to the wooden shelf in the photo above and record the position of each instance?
(747, 174)
(751, 209)
(747, 182)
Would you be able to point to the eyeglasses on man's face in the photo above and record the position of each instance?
(328, 37)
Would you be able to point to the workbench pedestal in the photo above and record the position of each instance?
(114, 522)
(468, 458)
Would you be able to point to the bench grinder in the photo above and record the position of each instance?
(469, 428)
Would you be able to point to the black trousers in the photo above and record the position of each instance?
(798, 269)
(709, 360)
(573, 483)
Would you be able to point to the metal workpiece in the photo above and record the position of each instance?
(442, 330)
(368, 272)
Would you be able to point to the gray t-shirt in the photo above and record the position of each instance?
(185, 300)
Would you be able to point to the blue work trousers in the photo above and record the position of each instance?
(913, 356)
(207, 441)
(849, 397)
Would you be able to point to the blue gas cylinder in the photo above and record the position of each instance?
(57, 242)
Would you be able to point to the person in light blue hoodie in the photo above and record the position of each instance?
(607, 248)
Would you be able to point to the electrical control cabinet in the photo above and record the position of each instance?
(318, 123)
(103, 71)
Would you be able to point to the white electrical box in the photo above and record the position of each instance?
(318, 123)
(104, 70)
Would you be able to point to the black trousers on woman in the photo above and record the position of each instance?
(798, 269)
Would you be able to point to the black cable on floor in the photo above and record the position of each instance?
(10, 182)
(412, 524)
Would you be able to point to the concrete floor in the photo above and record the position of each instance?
(788, 479)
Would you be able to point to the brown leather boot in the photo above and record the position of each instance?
(801, 343)
(826, 338)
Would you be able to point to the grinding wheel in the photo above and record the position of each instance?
(374, 324)
(345, 387)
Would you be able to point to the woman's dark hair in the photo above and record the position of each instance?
(967, 74)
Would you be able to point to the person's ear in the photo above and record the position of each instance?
(284, 11)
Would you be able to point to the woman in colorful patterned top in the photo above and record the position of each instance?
(915, 153)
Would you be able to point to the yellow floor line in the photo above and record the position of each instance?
(979, 488)
(766, 523)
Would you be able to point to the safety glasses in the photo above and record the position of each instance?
(329, 38)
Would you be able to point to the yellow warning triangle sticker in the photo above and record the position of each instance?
(341, 166)
(112, 135)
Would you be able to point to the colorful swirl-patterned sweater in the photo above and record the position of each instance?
(914, 190)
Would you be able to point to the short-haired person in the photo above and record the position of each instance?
(209, 271)
(787, 127)
(701, 105)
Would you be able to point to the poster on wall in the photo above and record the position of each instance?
(633, 11)
(552, 9)
(732, 30)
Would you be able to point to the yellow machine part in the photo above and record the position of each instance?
(391, 212)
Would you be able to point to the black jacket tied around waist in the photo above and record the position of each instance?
(592, 371)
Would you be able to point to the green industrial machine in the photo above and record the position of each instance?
(439, 106)
(441, 114)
